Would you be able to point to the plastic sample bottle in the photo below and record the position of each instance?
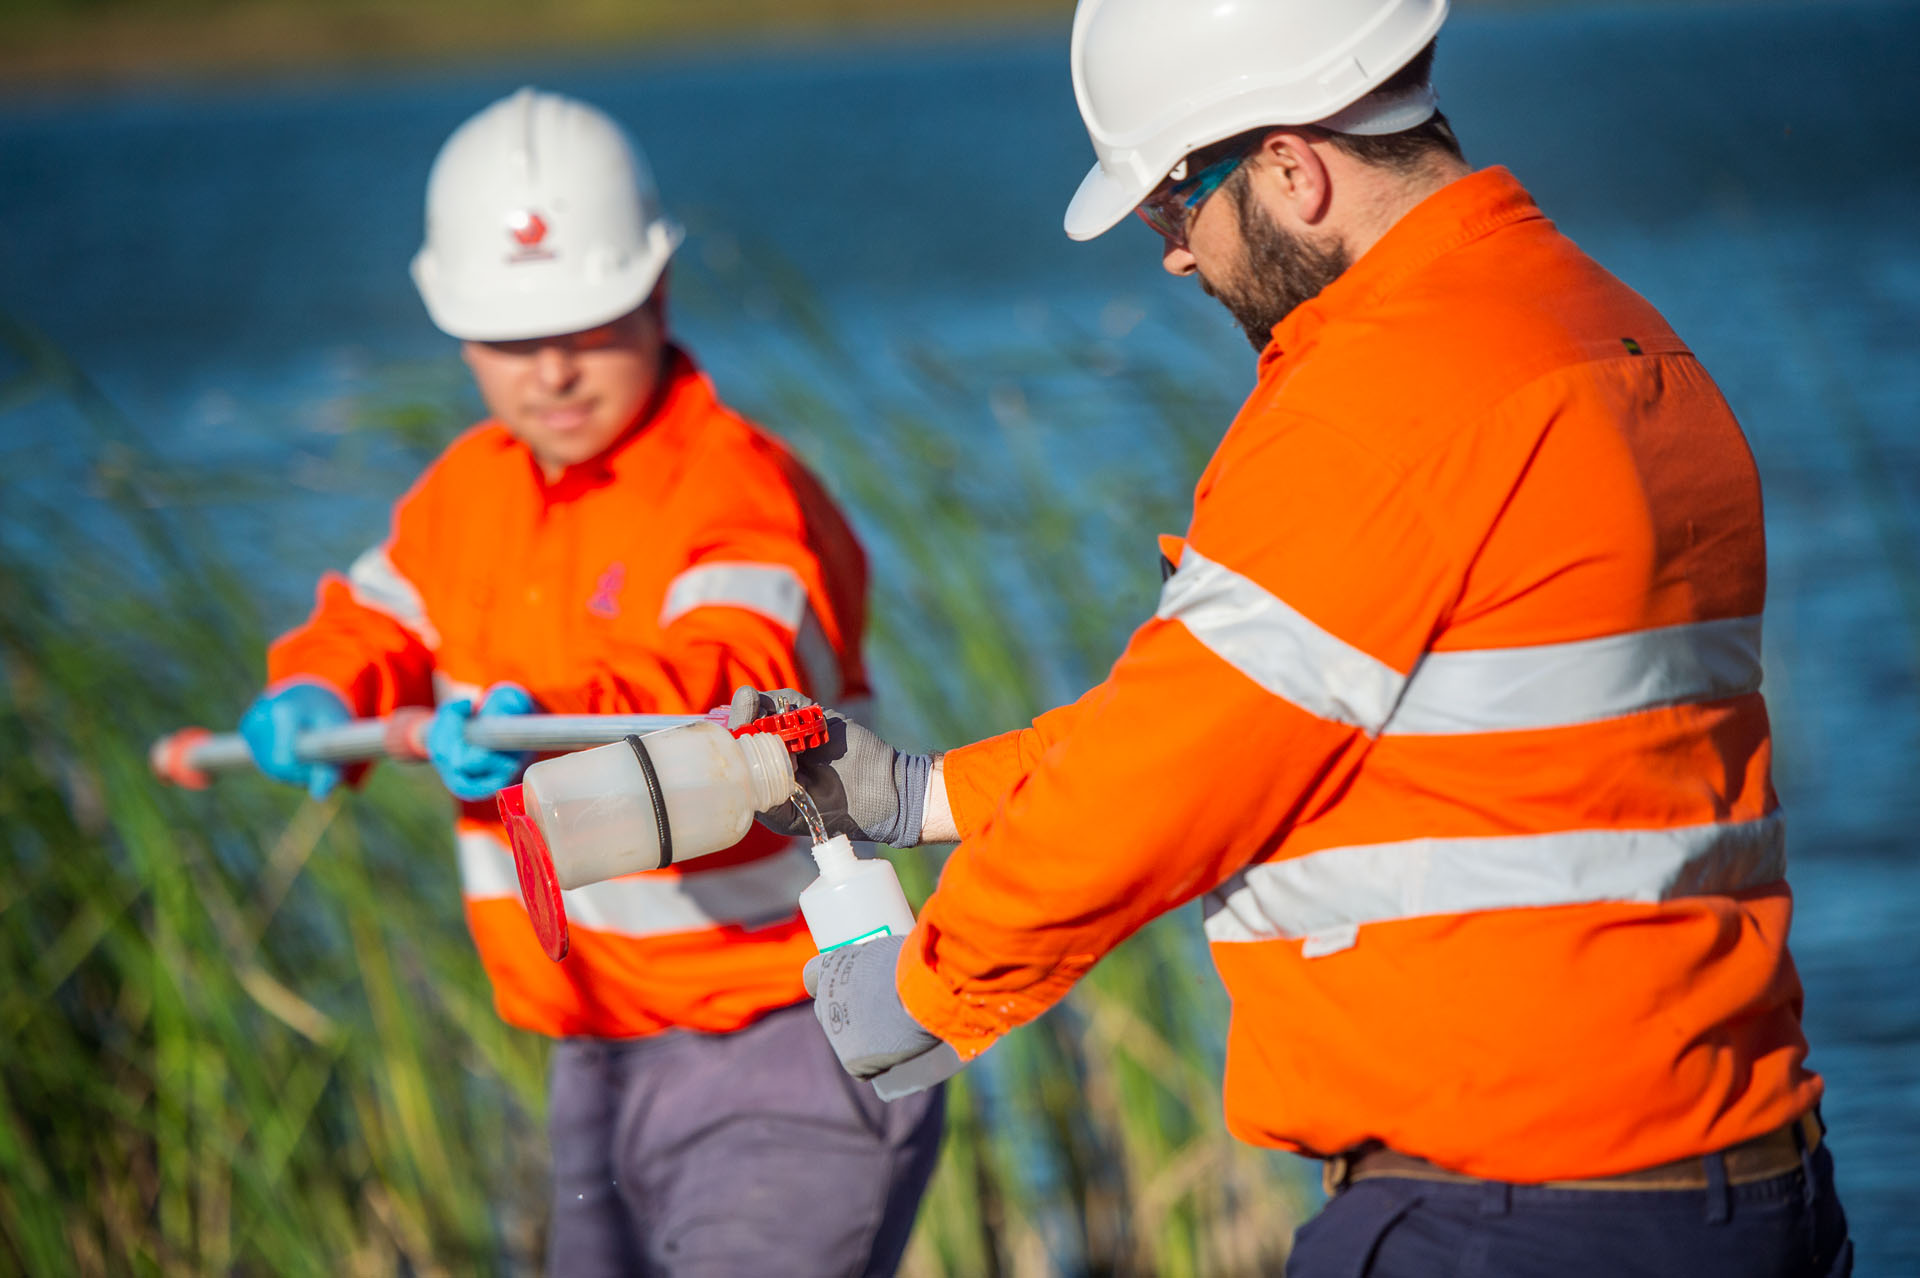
(640, 804)
(854, 900)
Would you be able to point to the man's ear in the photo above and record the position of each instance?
(1291, 178)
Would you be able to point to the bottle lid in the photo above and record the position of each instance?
(801, 729)
(539, 887)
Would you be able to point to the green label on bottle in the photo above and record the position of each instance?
(882, 930)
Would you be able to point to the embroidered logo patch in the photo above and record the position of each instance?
(606, 592)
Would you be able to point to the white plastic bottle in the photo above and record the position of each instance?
(854, 900)
(640, 804)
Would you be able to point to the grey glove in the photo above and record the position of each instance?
(858, 1004)
(864, 788)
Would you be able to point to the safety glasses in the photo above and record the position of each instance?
(1171, 208)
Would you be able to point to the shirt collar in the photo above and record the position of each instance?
(1457, 214)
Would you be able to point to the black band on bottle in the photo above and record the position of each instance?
(659, 800)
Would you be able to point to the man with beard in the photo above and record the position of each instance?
(1450, 709)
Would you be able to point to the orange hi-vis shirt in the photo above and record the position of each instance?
(1451, 712)
(693, 556)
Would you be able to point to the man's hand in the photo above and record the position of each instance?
(864, 788)
(473, 772)
(276, 718)
(857, 1002)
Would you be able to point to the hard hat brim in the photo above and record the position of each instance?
(1101, 203)
(543, 311)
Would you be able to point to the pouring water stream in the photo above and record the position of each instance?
(816, 824)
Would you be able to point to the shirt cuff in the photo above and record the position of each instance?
(979, 775)
(971, 1017)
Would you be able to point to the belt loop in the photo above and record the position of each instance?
(1333, 1174)
(1719, 1195)
(1808, 1192)
(1496, 1198)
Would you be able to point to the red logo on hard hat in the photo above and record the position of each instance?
(528, 229)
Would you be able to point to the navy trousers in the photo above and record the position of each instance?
(737, 1155)
(1789, 1227)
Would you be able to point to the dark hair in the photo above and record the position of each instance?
(1402, 152)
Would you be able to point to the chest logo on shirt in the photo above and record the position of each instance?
(606, 592)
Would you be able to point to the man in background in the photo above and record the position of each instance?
(615, 540)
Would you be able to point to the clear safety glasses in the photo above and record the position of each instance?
(1171, 208)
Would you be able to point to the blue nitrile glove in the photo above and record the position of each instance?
(275, 718)
(474, 772)
(858, 1004)
(864, 788)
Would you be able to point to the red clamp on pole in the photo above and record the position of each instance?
(539, 887)
(405, 737)
(801, 729)
(168, 759)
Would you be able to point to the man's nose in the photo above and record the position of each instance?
(555, 366)
(1177, 258)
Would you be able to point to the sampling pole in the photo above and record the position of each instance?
(190, 756)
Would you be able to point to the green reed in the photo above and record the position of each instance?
(1012, 529)
(245, 1033)
(242, 1033)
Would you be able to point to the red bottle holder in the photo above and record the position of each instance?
(800, 729)
(534, 864)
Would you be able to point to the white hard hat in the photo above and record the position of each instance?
(542, 218)
(1156, 79)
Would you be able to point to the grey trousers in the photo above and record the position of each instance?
(727, 1155)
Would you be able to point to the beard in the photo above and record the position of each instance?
(1279, 271)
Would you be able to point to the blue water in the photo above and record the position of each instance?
(230, 266)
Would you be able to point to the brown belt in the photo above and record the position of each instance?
(1762, 1158)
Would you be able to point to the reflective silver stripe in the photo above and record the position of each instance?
(1554, 685)
(1327, 896)
(757, 894)
(1278, 648)
(1484, 690)
(378, 585)
(773, 591)
(769, 589)
(486, 867)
